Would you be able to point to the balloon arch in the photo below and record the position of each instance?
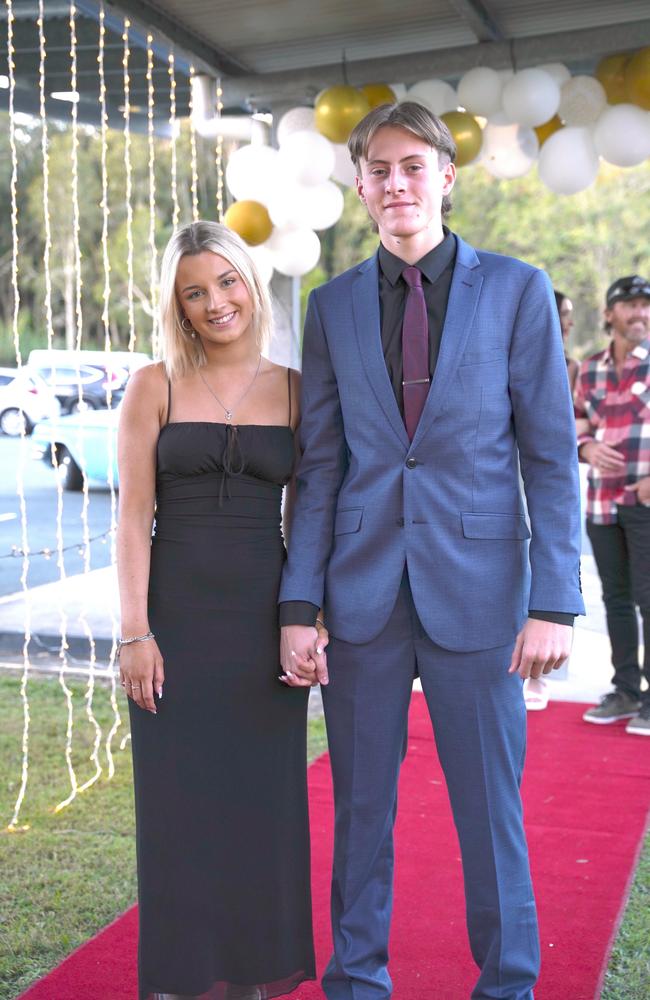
(506, 121)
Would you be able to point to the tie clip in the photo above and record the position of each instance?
(417, 381)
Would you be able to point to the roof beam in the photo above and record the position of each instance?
(581, 49)
(482, 22)
(206, 58)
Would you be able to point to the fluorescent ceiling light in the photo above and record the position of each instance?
(65, 95)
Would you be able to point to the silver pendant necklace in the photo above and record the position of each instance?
(230, 412)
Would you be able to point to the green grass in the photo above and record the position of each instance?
(73, 871)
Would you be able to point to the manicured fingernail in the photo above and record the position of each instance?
(319, 650)
(289, 674)
(160, 692)
(292, 653)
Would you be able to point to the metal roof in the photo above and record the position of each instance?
(273, 53)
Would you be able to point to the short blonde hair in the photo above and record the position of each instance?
(181, 353)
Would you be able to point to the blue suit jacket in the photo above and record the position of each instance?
(499, 402)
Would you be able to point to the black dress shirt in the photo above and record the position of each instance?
(437, 269)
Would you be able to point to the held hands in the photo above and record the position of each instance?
(540, 648)
(142, 673)
(302, 655)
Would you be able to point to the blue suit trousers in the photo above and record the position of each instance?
(479, 722)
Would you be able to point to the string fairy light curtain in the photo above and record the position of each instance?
(147, 166)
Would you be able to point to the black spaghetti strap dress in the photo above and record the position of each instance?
(220, 772)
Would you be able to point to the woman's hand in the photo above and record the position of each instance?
(142, 673)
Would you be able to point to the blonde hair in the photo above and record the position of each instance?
(181, 353)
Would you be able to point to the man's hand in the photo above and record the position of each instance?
(602, 457)
(302, 655)
(540, 648)
(642, 490)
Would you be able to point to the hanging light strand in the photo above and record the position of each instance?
(173, 124)
(153, 261)
(106, 296)
(76, 227)
(129, 182)
(193, 156)
(63, 626)
(219, 155)
(14, 825)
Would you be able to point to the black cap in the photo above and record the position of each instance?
(624, 289)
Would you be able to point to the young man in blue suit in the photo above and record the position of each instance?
(432, 374)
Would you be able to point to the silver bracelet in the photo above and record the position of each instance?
(320, 622)
(136, 638)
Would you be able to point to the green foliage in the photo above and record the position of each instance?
(72, 872)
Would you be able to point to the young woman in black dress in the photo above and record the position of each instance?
(206, 447)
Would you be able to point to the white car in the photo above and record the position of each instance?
(24, 400)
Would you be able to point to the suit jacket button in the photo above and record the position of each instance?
(411, 463)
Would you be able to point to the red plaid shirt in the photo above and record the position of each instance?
(616, 411)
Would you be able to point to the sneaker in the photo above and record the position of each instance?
(640, 724)
(614, 706)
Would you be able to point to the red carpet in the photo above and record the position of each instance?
(586, 792)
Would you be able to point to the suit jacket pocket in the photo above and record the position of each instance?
(487, 376)
(348, 520)
(494, 526)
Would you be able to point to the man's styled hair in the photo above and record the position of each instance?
(181, 353)
(414, 118)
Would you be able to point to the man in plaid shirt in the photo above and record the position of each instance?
(612, 407)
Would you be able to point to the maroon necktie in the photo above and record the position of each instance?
(415, 350)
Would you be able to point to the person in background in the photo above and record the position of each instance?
(612, 408)
(565, 312)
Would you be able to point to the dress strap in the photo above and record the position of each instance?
(169, 400)
(289, 391)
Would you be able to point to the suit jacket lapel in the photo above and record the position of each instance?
(464, 293)
(365, 307)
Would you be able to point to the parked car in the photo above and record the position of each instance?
(24, 400)
(83, 442)
(84, 380)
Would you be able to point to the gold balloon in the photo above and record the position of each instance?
(378, 93)
(610, 71)
(250, 220)
(637, 78)
(338, 109)
(547, 129)
(466, 133)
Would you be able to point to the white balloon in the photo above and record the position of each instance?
(344, 171)
(531, 97)
(582, 100)
(568, 161)
(505, 75)
(558, 71)
(295, 120)
(437, 95)
(253, 172)
(316, 206)
(399, 89)
(622, 135)
(307, 156)
(479, 91)
(508, 150)
(263, 260)
(294, 251)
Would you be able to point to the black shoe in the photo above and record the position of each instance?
(640, 724)
(614, 706)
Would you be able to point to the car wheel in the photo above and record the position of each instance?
(77, 406)
(67, 470)
(14, 422)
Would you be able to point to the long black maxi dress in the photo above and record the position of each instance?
(220, 771)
